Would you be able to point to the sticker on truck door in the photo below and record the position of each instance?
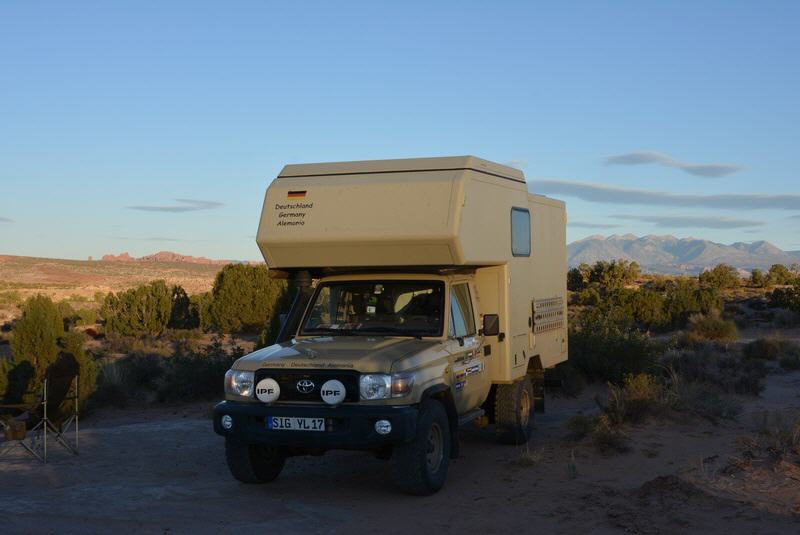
(463, 372)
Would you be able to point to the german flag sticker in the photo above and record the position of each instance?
(297, 195)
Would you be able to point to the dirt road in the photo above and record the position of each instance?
(162, 471)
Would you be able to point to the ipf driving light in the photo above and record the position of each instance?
(383, 427)
(226, 421)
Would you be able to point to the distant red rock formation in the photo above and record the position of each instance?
(163, 257)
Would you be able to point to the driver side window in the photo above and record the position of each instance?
(462, 320)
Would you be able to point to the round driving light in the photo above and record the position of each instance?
(267, 390)
(226, 421)
(332, 392)
(383, 427)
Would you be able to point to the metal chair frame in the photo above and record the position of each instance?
(35, 439)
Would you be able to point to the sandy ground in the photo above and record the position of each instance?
(162, 471)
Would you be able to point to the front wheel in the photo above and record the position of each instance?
(253, 463)
(513, 412)
(420, 466)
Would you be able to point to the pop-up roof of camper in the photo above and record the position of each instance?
(452, 211)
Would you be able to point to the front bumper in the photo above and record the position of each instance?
(347, 426)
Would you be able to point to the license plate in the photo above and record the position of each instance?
(291, 423)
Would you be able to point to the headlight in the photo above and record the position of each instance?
(239, 383)
(376, 386)
(384, 386)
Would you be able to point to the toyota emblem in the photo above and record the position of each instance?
(305, 386)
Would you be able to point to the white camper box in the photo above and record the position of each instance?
(454, 212)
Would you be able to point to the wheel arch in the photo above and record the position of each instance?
(442, 393)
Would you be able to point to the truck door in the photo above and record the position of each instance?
(469, 378)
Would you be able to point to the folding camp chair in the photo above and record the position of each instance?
(55, 410)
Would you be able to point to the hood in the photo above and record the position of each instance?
(361, 353)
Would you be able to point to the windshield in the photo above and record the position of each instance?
(380, 307)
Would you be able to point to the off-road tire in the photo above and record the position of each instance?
(253, 463)
(513, 412)
(420, 467)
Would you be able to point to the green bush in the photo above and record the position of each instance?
(570, 378)
(39, 339)
(708, 366)
(243, 298)
(721, 277)
(86, 316)
(644, 307)
(682, 299)
(200, 308)
(580, 426)
(73, 344)
(711, 327)
(770, 348)
(757, 278)
(36, 335)
(604, 350)
(779, 274)
(144, 309)
(788, 298)
(11, 297)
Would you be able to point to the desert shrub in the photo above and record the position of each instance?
(643, 396)
(780, 275)
(5, 368)
(243, 298)
(200, 308)
(195, 376)
(588, 297)
(86, 316)
(578, 277)
(682, 299)
(788, 298)
(269, 334)
(11, 297)
(720, 277)
(704, 400)
(36, 335)
(604, 350)
(571, 379)
(39, 339)
(711, 327)
(642, 306)
(608, 438)
(144, 309)
(757, 278)
(708, 366)
(580, 426)
(73, 344)
(182, 315)
(779, 432)
(770, 348)
(111, 387)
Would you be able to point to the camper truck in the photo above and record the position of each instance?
(428, 294)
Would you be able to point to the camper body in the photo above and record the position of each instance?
(429, 293)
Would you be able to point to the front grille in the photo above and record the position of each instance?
(288, 379)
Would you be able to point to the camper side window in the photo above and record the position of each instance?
(462, 320)
(520, 232)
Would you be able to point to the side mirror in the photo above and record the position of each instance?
(491, 324)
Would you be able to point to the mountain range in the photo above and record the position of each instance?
(163, 256)
(668, 254)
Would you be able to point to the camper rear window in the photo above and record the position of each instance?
(520, 232)
(376, 308)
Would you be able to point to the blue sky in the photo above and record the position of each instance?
(142, 126)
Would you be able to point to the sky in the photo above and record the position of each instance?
(146, 126)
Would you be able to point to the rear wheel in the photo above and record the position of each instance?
(420, 466)
(253, 463)
(513, 412)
